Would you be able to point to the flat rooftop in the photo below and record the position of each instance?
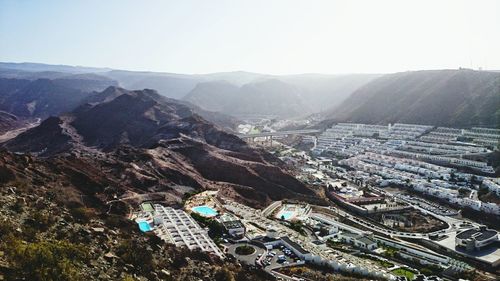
(295, 245)
(477, 234)
(147, 207)
(366, 240)
(232, 224)
(489, 255)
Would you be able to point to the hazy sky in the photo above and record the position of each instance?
(278, 37)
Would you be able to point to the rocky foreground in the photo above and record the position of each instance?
(46, 236)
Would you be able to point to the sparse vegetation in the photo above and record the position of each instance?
(82, 214)
(215, 229)
(390, 251)
(188, 195)
(404, 272)
(383, 263)
(321, 273)
(297, 226)
(244, 250)
(135, 253)
(46, 260)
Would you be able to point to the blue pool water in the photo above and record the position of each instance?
(144, 226)
(286, 214)
(205, 211)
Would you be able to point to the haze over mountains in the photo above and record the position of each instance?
(286, 96)
(267, 97)
(236, 93)
(435, 97)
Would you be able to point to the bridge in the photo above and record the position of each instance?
(280, 133)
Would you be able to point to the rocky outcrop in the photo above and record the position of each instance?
(148, 142)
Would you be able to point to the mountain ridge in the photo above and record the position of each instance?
(166, 142)
(455, 98)
(320, 89)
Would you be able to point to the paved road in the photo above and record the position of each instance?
(279, 133)
(370, 225)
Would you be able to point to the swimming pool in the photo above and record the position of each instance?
(205, 211)
(286, 215)
(144, 226)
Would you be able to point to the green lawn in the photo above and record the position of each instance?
(404, 272)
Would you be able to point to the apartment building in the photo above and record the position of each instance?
(178, 228)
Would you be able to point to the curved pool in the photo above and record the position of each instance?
(144, 226)
(205, 211)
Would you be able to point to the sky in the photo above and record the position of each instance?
(269, 36)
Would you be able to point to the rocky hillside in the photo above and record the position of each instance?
(215, 96)
(86, 82)
(41, 97)
(152, 142)
(442, 97)
(167, 84)
(282, 96)
(268, 97)
(56, 225)
(38, 98)
(323, 91)
(7, 122)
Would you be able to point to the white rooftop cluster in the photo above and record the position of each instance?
(441, 149)
(177, 227)
(395, 168)
(406, 131)
(398, 130)
(417, 174)
(493, 185)
(346, 146)
(439, 146)
(461, 162)
(480, 136)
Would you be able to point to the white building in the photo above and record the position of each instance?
(359, 240)
(232, 225)
(490, 208)
(178, 228)
(471, 203)
(476, 238)
(492, 185)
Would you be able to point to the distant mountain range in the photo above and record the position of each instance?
(43, 97)
(268, 97)
(37, 98)
(235, 93)
(439, 97)
(436, 97)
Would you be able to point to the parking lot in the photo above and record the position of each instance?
(278, 257)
